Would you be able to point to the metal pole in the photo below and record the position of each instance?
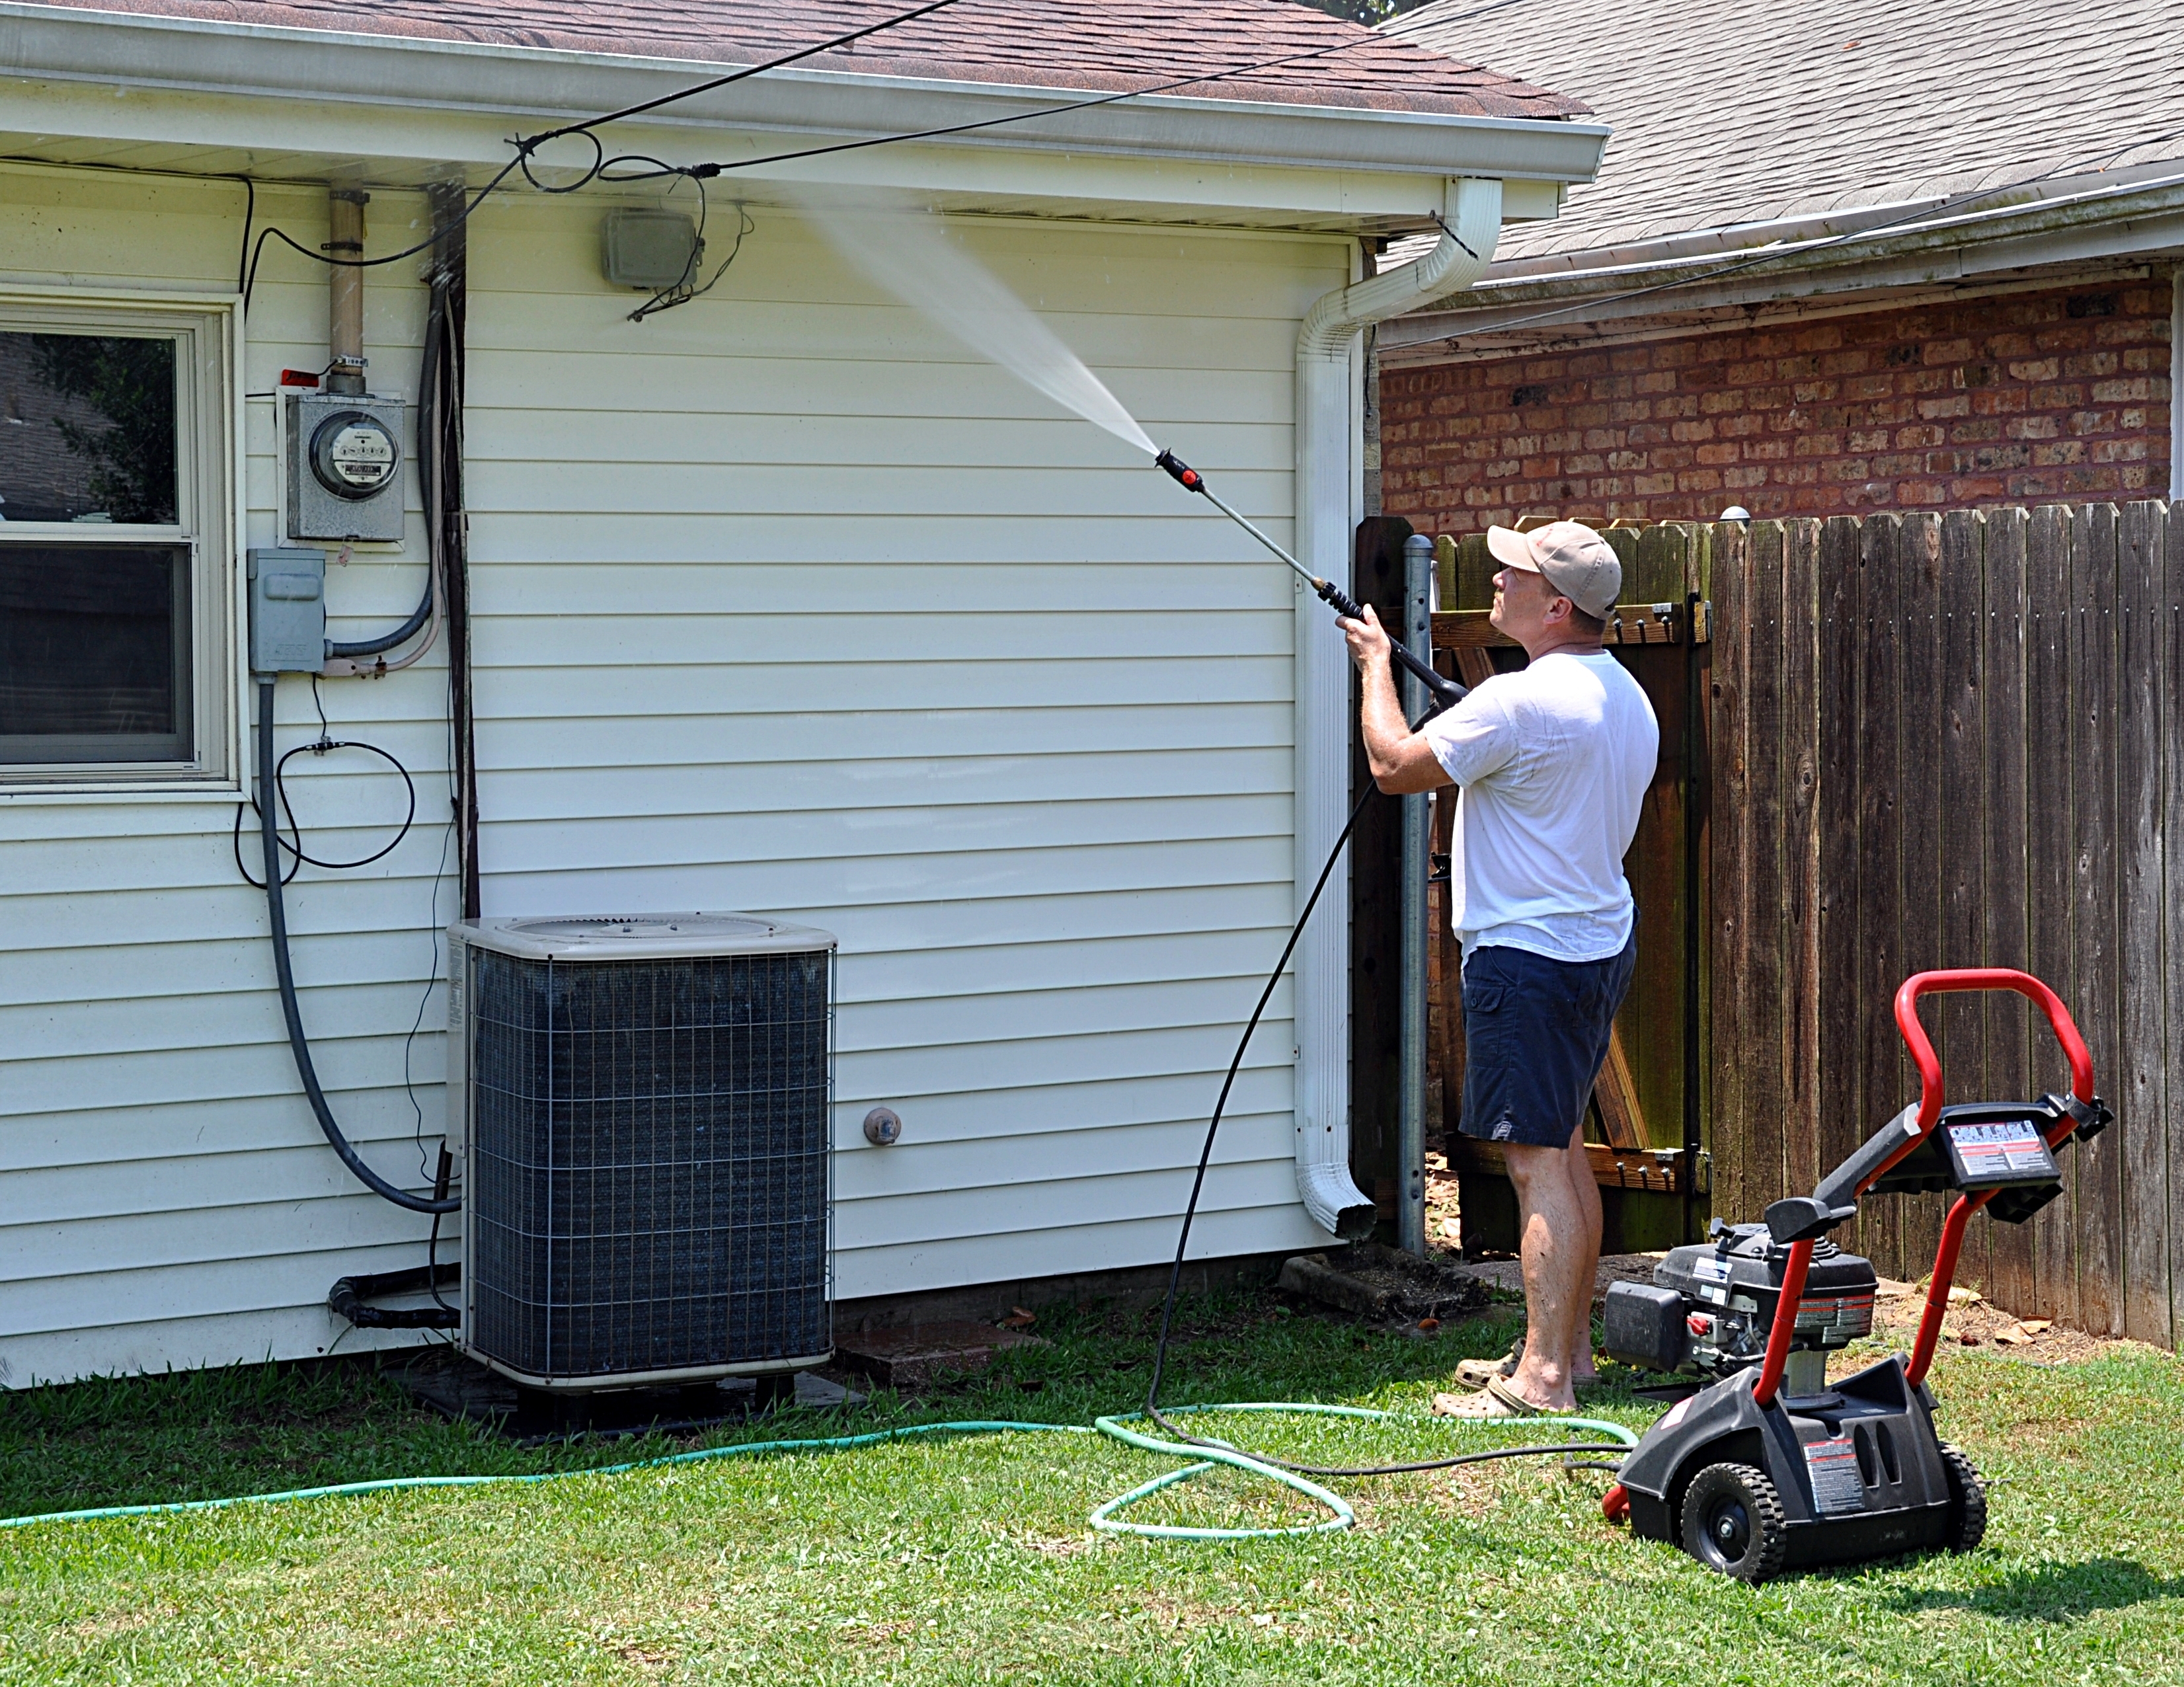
(1417, 841)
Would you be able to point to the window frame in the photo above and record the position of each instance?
(207, 492)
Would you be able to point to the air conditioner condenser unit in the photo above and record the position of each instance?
(641, 1106)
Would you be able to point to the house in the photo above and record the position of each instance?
(777, 600)
(1841, 259)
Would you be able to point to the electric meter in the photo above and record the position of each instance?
(353, 455)
(344, 467)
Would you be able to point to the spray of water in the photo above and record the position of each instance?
(905, 248)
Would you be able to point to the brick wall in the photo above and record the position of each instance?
(2023, 398)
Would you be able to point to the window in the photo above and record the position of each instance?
(113, 554)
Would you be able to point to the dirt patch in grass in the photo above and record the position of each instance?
(1974, 1321)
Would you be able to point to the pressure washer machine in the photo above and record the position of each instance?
(1763, 1465)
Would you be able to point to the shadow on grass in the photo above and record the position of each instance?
(255, 1429)
(2051, 1593)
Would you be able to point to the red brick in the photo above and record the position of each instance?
(1963, 403)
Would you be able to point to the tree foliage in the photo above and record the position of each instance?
(130, 382)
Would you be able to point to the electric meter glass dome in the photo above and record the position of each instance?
(353, 455)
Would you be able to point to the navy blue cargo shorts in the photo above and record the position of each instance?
(1535, 1034)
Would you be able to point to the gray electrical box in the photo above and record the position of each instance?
(344, 467)
(649, 249)
(287, 611)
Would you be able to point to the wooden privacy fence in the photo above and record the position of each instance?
(1951, 740)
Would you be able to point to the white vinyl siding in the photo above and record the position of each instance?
(784, 604)
(164, 1195)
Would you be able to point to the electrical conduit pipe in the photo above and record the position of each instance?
(1330, 498)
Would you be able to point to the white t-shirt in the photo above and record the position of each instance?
(1552, 764)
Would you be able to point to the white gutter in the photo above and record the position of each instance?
(2132, 215)
(1329, 503)
(308, 68)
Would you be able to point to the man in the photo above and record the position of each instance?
(1552, 765)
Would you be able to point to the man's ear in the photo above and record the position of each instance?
(1558, 609)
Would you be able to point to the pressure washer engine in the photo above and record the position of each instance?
(1763, 1464)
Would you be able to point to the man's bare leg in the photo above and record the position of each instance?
(1552, 1226)
(1585, 1191)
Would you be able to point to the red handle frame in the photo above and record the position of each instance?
(1982, 978)
(1970, 979)
(1929, 1112)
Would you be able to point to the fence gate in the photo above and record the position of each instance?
(1951, 740)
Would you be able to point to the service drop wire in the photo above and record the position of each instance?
(527, 145)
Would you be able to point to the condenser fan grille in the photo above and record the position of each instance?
(648, 1162)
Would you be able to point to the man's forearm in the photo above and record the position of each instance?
(1380, 718)
(1401, 761)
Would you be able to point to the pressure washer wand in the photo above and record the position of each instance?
(1443, 690)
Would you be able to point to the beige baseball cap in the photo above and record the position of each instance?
(1569, 556)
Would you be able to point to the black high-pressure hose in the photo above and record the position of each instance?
(1443, 691)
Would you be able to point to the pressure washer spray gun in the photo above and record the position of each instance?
(1440, 688)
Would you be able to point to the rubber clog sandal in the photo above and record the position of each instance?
(1476, 1373)
(1497, 1399)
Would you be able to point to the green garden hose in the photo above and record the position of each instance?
(1204, 1457)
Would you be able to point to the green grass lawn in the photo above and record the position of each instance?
(969, 1560)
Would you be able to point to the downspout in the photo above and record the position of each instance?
(1329, 495)
(2176, 409)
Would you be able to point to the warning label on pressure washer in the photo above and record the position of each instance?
(2009, 1148)
(1833, 1467)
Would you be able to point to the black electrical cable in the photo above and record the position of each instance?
(668, 299)
(250, 216)
(1369, 39)
(428, 397)
(791, 58)
(526, 145)
(1191, 1212)
(284, 971)
(322, 747)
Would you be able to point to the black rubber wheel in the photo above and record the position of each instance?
(1966, 1501)
(1732, 1522)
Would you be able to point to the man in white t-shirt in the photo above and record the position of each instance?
(1552, 764)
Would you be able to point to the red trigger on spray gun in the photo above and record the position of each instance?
(1443, 690)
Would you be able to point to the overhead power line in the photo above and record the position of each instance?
(602, 165)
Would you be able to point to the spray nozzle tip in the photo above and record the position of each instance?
(1185, 476)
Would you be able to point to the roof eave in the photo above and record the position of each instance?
(186, 55)
(2115, 219)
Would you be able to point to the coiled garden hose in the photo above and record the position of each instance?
(1204, 1456)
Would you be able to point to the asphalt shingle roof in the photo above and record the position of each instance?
(1094, 45)
(1729, 112)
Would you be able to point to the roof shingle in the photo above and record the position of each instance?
(1096, 46)
(1735, 112)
